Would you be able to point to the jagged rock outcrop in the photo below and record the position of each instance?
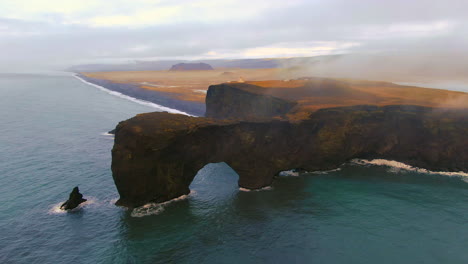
(75, 199)
(243, 101)
(156, 155)
(191, 67)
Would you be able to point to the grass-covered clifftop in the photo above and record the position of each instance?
(156, 155)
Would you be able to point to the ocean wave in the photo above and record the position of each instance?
(108, 135)
(397, 166)
(156, 208)
(200, 91)
(135, 100)
(325, 171)
(289, 173)
(266, 188)
(295, 173)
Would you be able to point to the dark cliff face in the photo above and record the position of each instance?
(243, 101)
(191, 67)
(156, 155)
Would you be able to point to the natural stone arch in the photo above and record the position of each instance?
(216, 179)
(157, 155)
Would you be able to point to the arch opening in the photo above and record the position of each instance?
(215, 181)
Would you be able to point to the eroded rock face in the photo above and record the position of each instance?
(75, 199)
(156, 155)
(243, 101)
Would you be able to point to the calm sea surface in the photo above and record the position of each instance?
(52, 138)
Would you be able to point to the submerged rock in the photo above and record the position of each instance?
(75, 199)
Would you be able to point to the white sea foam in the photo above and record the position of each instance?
(294, 173)
(156, 208)
(108, 135)
(289, 173)
(113, 201)
(200, 91)
(266, 188)
(139, 101)
(397, 166)
(55, 209)
(325, 172)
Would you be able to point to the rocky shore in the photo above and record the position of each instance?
(156, 155)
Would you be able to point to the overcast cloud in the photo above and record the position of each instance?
(59, 33)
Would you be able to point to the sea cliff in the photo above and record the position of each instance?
(156, 155)
(244, 101)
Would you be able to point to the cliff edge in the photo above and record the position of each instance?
(156, 155)
(244, 101)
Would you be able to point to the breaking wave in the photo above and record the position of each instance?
(397, 166)
(138, 101)
(108, 135)
(295, 173)
(289, 173)
(55, 209)
(325, 172)
(156, 208)
(267, 188)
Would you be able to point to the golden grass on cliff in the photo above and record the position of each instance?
(310, 93)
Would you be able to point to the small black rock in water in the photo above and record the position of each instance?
(74, 200)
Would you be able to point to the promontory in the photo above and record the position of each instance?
(156, 155)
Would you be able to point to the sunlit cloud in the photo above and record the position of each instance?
(397, 30)
(307, 49)
(71, 31)
(139, 48)
(100, 13)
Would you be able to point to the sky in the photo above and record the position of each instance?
(60, 33)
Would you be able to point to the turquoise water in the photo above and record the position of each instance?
(52, 139)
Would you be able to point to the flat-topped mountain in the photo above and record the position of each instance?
(191, 67)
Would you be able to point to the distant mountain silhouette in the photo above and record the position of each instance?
(191, 67)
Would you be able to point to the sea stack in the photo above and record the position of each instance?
(74, 200)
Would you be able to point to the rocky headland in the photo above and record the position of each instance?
(156, 155)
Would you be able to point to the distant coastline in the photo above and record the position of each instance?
(456, 86)
(159, 99)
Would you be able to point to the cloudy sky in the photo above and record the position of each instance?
(58, 33)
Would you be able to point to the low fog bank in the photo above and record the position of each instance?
(443, 71)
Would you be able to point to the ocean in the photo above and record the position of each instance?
(53, 137)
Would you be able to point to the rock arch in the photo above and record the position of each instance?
(157, 155)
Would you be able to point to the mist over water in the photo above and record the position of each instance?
(52, 138)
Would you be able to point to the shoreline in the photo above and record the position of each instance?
(156, 99)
